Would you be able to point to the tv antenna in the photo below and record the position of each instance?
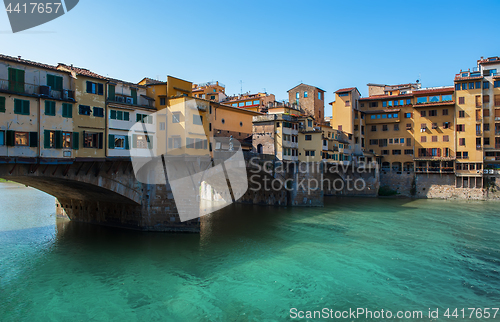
(241, 87)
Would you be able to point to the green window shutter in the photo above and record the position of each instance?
(33, 139)
(16, 80)
(67, 110)
(50, 108)
(11, 138)
(111, 141)
(150, 141)
(2, 104)
(26, 107)
(58, 83)
(76, 140)
(100, 137)
(134, 95)
(127, 146)
(18, 106)
(46, 139)
(51, 81)
(113, 115)
(134, 141)
(12, 79)
(111, 92)
(58, 136)
(119, 115)
(126, 116)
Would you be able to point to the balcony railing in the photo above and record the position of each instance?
(31, 89)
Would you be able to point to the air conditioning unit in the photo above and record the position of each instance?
(68, 95)
(129, 100)
(45, 90)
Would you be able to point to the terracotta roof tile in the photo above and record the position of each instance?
(379, 97)
(82, 71)
(342, 90)
(26, 62)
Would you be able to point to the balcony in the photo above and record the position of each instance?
(35, 90)
(479, 147)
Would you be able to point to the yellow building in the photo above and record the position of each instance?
(213, 91)
(277, 135)
(254, 102)
(310, 140)
(89, 121)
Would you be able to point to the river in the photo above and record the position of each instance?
(250, 263)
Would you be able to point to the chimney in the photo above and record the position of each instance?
(19, 57)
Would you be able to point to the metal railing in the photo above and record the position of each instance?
(29, 89)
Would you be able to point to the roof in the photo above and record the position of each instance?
(28, 62)
(150, 81)
(306, 85)
(380, 97)
(435, 90)
(342, 90)
(458, 78)
(125, 82)
(82, 71)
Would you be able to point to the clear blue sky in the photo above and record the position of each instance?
(267, 44)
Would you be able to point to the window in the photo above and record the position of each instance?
(408, 101)
(486, 126)
(486, 99)
(447, 98)
(248, 103)
(407, 115)
(21, 107)
(391, 141)
(486, 112)
(50, 108)
(433, 113)
(308, 137)
(67, 140)
(390, 103)
(67, 110)
(433, 99)
(464, 86)
(385, 152)
(373, 142)
(471, 85)
(461, 113)
(319, 97)
(95, 88)
(434, 125)
(396, 127)
(2, 138)
(310, 153)
(212, 97)
(460, 127)
(421, 100)
(55, 82)
(256, 102)
(197, 119)
(241, 124)
(408, 126)
(2, 104)
(176, 117)
(445, 111)
(457, 87)
(92, 140)
(423, 139)
(144, 118)
(408, 152)
(22, 138)
(241, 104)
(446, 125)
(384, 104)
(297, 95)
(98, 112)
(423, 126)
(305, 94)
(141, 141)
(461, 141)
(374, 128)
(16, 80)
(434, 138)
(408, 142)
(461, 100)
(423, 113)
(384, 127)
(446, 138)
(374, 104)
(486, 85)
(223, 121)
(163, 101)
(465, 154)
(162, 126)
(118, 142)
(486, 141)
(496, 84)
(84, 110)
(497, 100)
(347, 103)
(396, 152)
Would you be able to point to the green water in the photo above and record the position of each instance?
(250, 263)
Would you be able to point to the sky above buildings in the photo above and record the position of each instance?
(268, 46)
